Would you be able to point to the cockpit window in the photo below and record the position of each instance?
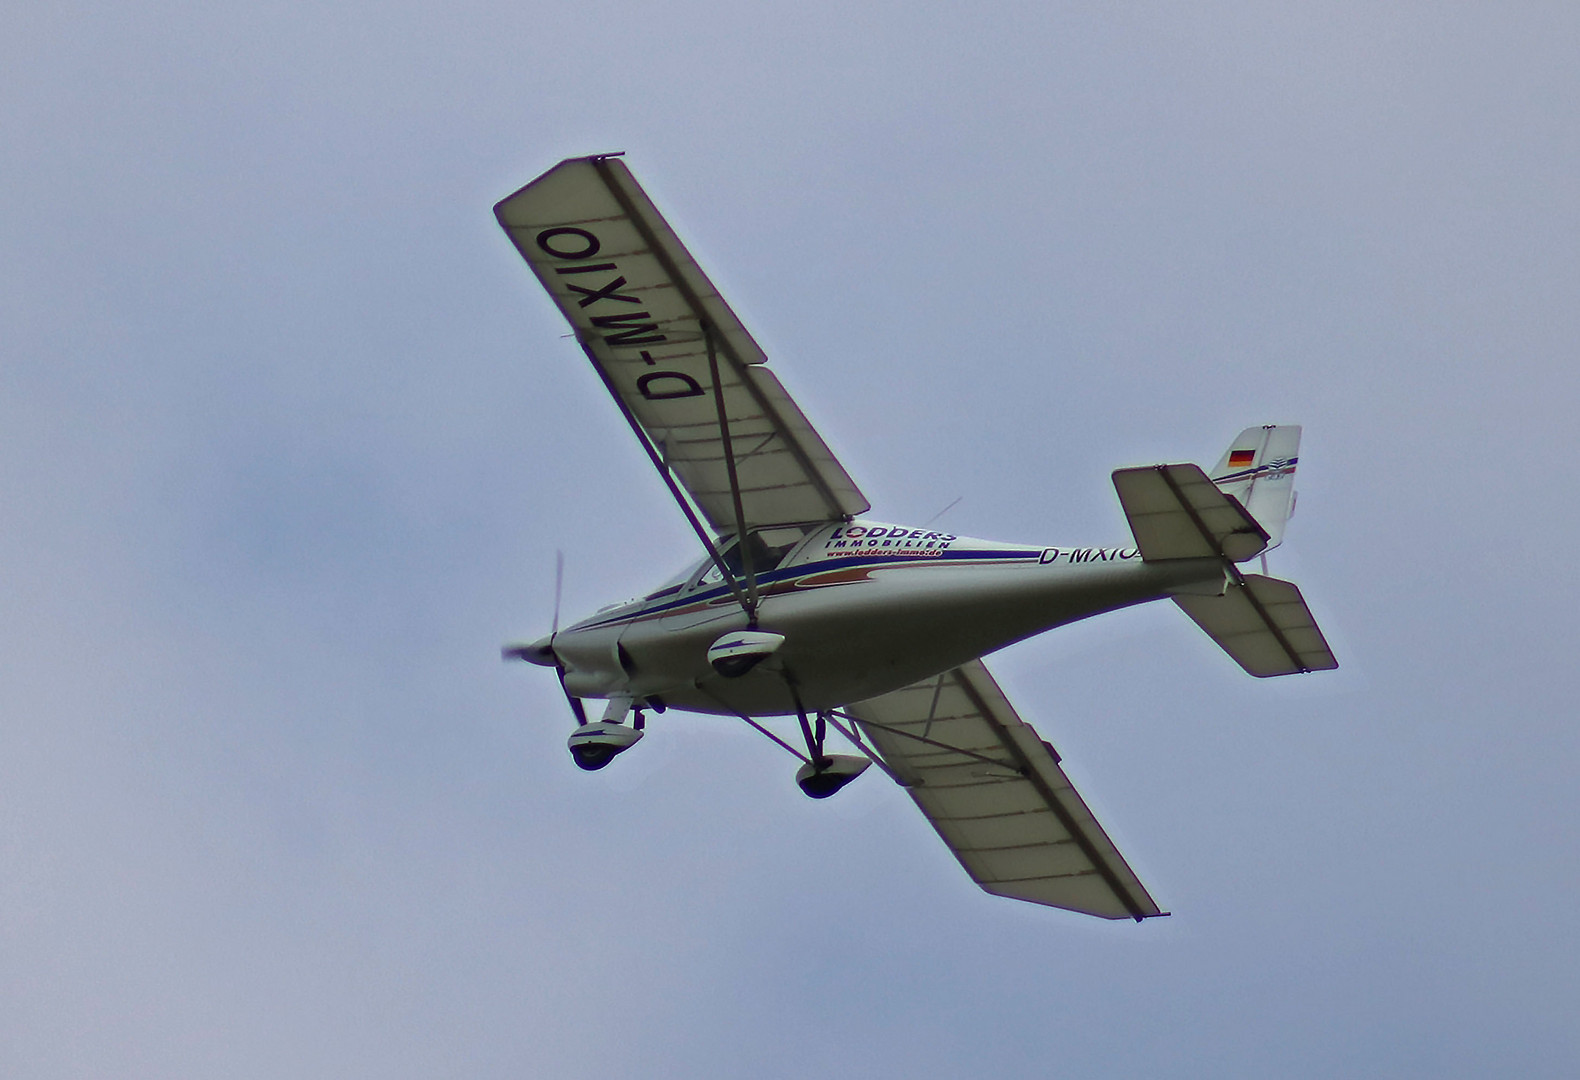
(768, 546)
(676, 581)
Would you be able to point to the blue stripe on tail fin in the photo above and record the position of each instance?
(1258, 469)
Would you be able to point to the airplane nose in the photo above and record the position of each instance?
(540, 652)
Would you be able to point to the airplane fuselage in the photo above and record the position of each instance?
(865, 608)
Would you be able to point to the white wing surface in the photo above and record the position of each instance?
(655, 328)
(996, 794)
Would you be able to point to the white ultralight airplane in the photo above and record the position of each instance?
(805, 607)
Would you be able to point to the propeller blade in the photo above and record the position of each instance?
(559, 585)
(576, 702)
(559, 666)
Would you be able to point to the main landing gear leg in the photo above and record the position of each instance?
(824, 774)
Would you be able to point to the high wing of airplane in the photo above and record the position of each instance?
(687, 375)
(875, 631)
(996, 794)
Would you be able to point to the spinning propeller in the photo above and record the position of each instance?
(554, 631)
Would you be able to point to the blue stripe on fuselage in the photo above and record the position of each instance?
(807, 569)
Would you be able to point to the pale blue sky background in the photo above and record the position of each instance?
(288, 439)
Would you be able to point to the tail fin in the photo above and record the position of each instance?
(1258, 469)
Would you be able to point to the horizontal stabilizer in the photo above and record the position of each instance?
(1264, 624)
(1176, 512)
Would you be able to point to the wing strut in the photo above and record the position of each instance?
(750, 602)
(848, 729)
(962, 751)
(669, 479)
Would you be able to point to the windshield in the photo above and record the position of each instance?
(768, 548)
(680, 577)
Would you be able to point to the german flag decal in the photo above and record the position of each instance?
(1241, 457)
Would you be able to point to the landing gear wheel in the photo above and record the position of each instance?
(821, 778)
(593, 746)
(593, 757)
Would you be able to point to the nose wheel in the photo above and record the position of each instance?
(593, 746)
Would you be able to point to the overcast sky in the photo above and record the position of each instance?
(289, 437)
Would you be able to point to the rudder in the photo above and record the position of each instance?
(1258, 469)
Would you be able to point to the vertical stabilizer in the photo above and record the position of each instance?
(1258, 469)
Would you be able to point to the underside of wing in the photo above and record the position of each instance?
(657, 330)
(996, 794)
